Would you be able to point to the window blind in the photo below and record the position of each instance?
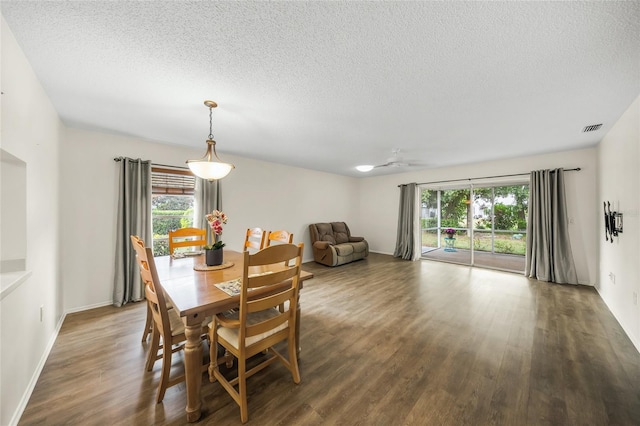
(172, 181)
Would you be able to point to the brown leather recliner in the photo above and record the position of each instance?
(333, 244)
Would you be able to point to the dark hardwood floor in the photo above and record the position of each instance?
(384, 342)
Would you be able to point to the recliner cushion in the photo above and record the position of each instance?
(359, 246)
(340, 232)
(325, 232)
(344, 249)
(329, 238)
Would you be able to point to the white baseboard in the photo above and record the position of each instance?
(36, 374)
(380, 252)
(86, 308)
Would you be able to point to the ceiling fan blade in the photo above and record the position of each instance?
(382, 165)
(395, 161)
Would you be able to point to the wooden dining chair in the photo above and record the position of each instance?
(148, 323)
(258, 325)
(255, 239)
(280, 237)
(187, 237)
(167, 324)
(283, 237)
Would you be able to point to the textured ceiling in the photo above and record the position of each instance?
(330, 85)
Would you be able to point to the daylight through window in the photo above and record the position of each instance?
(172, 204)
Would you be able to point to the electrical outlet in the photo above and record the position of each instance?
(41, 312)
(635, 298)
(612, 277)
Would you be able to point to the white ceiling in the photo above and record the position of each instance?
(330, 85)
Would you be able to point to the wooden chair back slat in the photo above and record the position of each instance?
(269, 301)
(254, 239)
(281, 236)
(187, 237)
(262, 280)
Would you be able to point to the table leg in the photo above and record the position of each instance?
(193, 370)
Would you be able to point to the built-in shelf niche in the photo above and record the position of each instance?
(13, 213)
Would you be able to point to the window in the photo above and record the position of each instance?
(171, 204)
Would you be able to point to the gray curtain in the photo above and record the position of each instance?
(549, 256)
(134, 218)
(407, 241)
(208, 198)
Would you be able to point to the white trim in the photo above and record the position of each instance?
(478, 183)
(11, 281)
(381, 252)
(36, 375)
(86, 308)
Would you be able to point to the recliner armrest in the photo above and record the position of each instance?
(321, 245)
(355, 239)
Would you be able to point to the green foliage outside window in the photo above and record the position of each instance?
(160, 247)
(164, 221)
(169, 212)
(504, 216)
(172, 202)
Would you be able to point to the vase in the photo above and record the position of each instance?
(213, 257)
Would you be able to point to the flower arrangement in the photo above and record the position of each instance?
(450, 232)
(216, 219)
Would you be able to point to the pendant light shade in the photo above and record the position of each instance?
(210, 166)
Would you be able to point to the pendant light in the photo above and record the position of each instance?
(207, 167)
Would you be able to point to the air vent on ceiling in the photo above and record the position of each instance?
(592, 128)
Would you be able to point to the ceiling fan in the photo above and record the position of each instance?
(393, 161)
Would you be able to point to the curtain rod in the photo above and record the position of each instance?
(577, 169)
(118, 159)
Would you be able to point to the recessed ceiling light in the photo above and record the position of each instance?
(364, 168)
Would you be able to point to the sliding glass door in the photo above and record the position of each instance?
(446, 210)
(500, 226)
(483, 225)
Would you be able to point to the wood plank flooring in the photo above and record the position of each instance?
(384, 342)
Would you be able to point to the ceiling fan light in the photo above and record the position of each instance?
(364, 168)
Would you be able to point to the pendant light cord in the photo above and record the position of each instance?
(210, 123)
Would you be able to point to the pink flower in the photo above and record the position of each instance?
(216, 219)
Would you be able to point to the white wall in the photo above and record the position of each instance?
(13, 245)
(619, 183)
(30, 132)
(256, 193)
(379, 197)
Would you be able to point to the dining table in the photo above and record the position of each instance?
(191, 288)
